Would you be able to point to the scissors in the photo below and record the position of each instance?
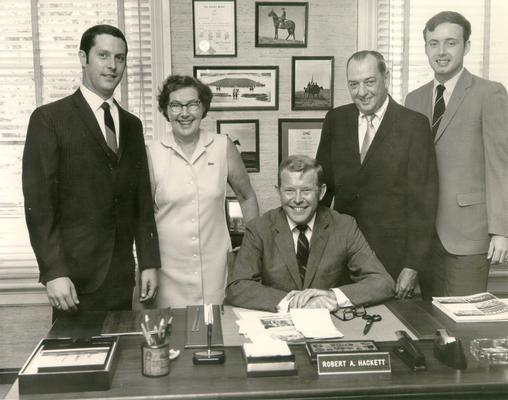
(370, 321)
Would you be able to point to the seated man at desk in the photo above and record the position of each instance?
(305, 255)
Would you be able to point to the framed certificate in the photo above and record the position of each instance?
(214, 28)
(299, 136)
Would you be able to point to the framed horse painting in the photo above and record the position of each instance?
(312, 83)
(281, 24)
(244, 133)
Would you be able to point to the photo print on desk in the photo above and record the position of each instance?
(241, 87)
(312, 83)
(244, 133)
(281, 24)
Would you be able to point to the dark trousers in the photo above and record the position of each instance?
(453, 275)
(115, 292)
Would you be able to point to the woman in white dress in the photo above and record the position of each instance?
(189, 170)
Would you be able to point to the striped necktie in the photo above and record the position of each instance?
(110, 128)
(439, 109)
(367, 139)
(302, 251)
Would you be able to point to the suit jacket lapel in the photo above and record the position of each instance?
(286, 246)
(384, 129)
(87, 116)
(317, 246)
(458, 95)
(123, 130)
(352, 134)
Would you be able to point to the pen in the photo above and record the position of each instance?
(209, 338)
(147, 336)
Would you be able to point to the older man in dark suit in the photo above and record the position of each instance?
(87, 190)
(303, 254)
(380, 168)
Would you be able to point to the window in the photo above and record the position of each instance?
(39, 41)
(399, 38)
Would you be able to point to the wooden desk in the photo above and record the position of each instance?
(229, 381)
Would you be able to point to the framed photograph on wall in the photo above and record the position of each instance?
(241, 87)
(312, 83)
(281, 24)
(299, 136)
(244, 133)
(214, 28)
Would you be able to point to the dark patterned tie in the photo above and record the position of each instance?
(439, 109)
(302, 251)
(110, 128)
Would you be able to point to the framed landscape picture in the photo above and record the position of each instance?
(312, 83)
(299, 136)
(214, 28)
(281, 24)
(244, 133)
(241, 87)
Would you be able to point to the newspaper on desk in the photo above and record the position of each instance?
(292, 327)
(474, 308)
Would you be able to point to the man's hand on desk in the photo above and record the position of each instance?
(62, 294)
(149, 284)
(313, 298)
(406, 283)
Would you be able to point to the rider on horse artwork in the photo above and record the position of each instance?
(282, 19)
(282, 23)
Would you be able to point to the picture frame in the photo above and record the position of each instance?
(299, 136)
(244, 133)
(281, 24)
(234, 216)
(241, 87)
(214, 28)
(312, 83)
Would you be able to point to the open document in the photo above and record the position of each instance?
(292, 327)
(475, 308)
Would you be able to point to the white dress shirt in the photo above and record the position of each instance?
(342, 299)
(376, 121)
(95, 102)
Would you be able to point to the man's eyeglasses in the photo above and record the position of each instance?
(349, 313)
(191, 106)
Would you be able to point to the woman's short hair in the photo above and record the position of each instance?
(303, 164)
(176, 82)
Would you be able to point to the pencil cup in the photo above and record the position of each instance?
(155, 359)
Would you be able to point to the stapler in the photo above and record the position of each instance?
(448, 350)
(408, 351)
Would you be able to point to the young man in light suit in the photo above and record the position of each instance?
(87, 190)
(469, 117)
(305, 255)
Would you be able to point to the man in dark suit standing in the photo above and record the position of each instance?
(302, 255)
(469, 117)
(379, 165)
(87, 190)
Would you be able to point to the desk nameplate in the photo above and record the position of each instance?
(353, 363)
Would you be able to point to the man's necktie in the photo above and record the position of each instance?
(439, 109)
(110, 128)
(302, 250)
(367, 139)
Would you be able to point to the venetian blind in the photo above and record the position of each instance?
(400, 39)
(39, 41)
